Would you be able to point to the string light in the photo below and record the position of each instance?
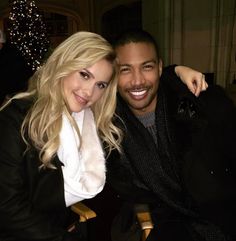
(27, 31)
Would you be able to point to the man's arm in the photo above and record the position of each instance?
(193, 79)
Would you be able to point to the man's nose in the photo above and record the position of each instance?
(138, 77)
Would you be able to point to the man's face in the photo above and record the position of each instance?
(139, 75)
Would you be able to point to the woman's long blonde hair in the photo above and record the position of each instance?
(43, 122)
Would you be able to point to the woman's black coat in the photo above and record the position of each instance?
(32, 204)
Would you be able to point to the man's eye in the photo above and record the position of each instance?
(148, 67)
(84, 75)
(124, 70)
(102, 85)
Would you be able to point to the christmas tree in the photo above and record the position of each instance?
(27, 31)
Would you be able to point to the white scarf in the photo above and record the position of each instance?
(84, 169)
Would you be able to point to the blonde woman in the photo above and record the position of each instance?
(51, 156)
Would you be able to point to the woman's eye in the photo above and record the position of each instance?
(102, 85)
(84, 75)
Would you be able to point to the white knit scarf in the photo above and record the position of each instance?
(84, 169)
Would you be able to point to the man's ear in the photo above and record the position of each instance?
(160, 66)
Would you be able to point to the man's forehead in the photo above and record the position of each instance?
(136, 52)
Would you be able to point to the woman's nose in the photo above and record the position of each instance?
(89, 89)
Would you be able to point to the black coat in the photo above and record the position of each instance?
(32, 204)
(198, 138)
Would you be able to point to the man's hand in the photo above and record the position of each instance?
(194, 79)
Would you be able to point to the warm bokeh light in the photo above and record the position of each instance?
(27, 31)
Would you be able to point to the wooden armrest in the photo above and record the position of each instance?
(84, 211)
(145, 220)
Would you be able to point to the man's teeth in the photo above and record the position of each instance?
(137, 93)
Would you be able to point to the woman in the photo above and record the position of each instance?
(51, 156)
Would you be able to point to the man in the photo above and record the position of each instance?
(179, 154)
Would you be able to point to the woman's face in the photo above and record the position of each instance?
(84, 87)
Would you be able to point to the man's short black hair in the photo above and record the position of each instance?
(135, 36)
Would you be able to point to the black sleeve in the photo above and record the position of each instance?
(18, 217)
(172, 82)
(222, 114)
